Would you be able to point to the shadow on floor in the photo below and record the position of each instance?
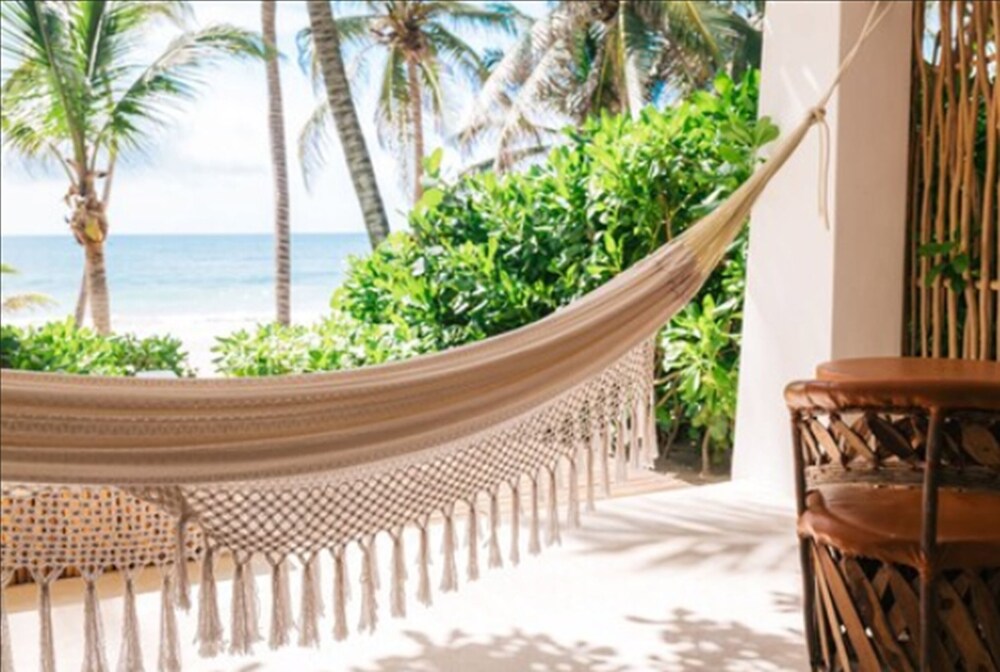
(702, 532)
(500, 653)
(700, 644)
(690, 644)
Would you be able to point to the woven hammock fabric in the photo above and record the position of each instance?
(107, 475)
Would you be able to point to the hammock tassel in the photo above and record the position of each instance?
(573, 515)
(606, 458)
(449, 577)
(94, 658)
(6, 651)
(552, 535)
(312, 603)
(130, 654)
(496, 557)
(369, 605)
(534, 542)
(472, 539)
(245, 627)
(170, 646)
(634, 450)
(183, 586)
(423, 565)
(209, 621)
(46, 644)
(398, 592)
(281, 604)
(590, 451)
(621, 456)
(339, 594)
(515, 522)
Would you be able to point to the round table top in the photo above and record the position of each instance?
(910, 370)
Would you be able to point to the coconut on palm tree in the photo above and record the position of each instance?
(425, 65)
(16, 303)
(590, 56)
(79, 95)
(330, 64)
(279, 164)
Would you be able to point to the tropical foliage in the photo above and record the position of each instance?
(491, 253)
(424, 66)
(589, 56)
(79, 94)
(63, 347)
(17, 303)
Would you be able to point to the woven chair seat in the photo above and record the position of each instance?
(885, 524)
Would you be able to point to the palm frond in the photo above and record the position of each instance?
(25, 302)
(313, 142)
(173, 78)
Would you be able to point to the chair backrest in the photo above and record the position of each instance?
(868, 432)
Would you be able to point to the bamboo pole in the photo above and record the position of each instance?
(953, 254)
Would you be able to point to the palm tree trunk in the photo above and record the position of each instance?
(97, 286)
(327, 43)
(80, 314)
(417, 115)
(279, 164)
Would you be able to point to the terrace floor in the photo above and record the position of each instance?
(699, 578)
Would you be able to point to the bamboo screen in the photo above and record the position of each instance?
(953, 253)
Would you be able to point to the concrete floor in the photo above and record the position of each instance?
(695, 579)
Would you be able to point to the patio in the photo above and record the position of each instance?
(646, 585)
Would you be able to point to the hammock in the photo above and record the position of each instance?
(107, 475)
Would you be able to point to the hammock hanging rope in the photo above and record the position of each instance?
(119, 474)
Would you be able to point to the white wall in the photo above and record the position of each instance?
(815, 294)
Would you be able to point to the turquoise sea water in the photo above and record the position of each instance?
(181, 277)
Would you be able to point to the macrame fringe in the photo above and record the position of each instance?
(634, 454)
(534, 538)
(369, 604)
(621, 456)
(6, 649)
(573, 506)
(397, 595)
(339, 594)
(170, 647)
(472, 539)
(183, 581)
(245, 626)
(552, 535)
(46, 639)
(606, 459)
(423, 565)
(449, 576)
(312, 603)
(130, 654)
(282, 622)
(590, 452)
(496, 557)
(209, 636)
(515, 523)
(94, 657)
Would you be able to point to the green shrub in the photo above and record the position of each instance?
(65, 348)
(490, 253)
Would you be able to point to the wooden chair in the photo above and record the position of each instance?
(898, 489)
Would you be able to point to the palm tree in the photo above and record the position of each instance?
(21, 302)
(589, 56)
(425, 62)
(279, 162)
(330, 62)
(76, 96)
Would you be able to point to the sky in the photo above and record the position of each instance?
(210, 173)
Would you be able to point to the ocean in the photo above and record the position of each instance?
(196, 287)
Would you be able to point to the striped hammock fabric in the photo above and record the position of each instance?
(116, 475)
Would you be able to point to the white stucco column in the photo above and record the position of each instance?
(815, 294)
